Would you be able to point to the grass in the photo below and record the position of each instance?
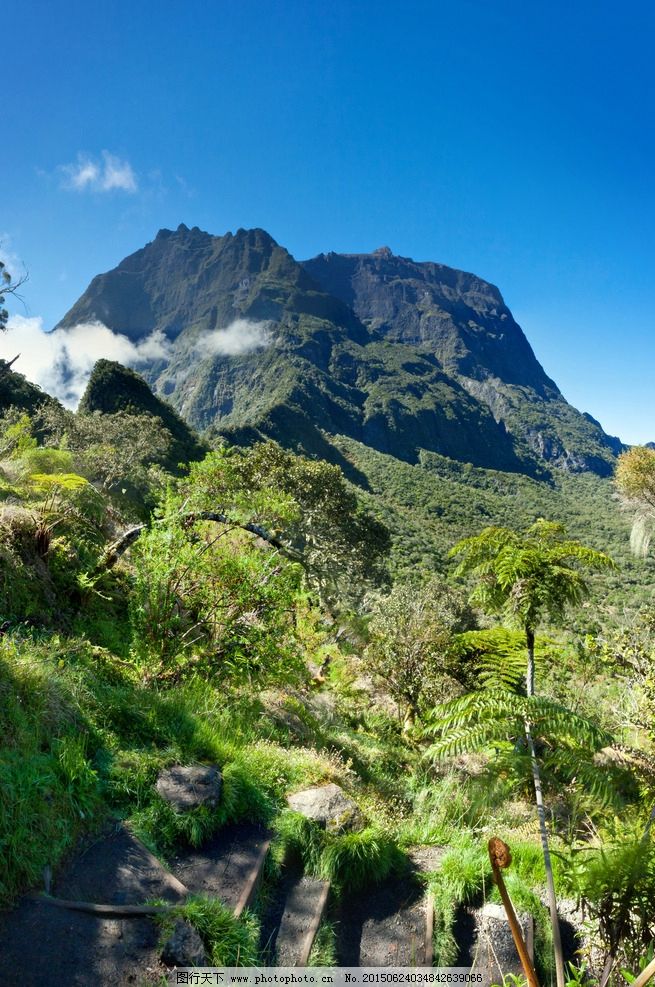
(83, 738)
(324, 948)
(228, 941)
(353, 861)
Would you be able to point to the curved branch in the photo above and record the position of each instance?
(118, 548)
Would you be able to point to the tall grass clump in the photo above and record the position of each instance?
(354, 860)
(228, 941)
(465, 872)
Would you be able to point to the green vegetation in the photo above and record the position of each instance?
(430, 505)
(248, 621)
(228, 941)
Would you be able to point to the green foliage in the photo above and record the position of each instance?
(496, 654)
(354, 861)
(307, 503)
(116, 452)
(350, 861)
(243, 797)
(430, 505)
(209, 600)
(635, 481)
(16, 433)
(119, 397)
(528, 578)
(616, 883)
(299, 839)
(464, 872)
(324, 947)
(412, 642)
(172, 649)
(49, 784)
(493, 720)
(228, 941)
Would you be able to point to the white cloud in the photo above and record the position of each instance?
(61, 362)
(241, 336)
(104, 174)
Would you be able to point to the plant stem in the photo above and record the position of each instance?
(541, 814)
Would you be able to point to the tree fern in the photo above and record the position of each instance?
(495, 720)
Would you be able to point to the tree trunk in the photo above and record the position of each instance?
(541, 813)
(529, 675)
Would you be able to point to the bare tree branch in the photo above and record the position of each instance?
(118, 548)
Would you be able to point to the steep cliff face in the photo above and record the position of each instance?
(462, 319)
(399, 355)
(465, 323)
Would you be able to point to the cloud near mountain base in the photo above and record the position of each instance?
(61, 362)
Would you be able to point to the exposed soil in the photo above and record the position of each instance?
(486, 943)
(42, 945)
(384, 927)
(303, 910)
(225, 865)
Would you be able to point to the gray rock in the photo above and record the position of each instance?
(187, 787)
(329, 806)
(184, 947)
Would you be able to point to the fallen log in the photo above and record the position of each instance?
(126, 911)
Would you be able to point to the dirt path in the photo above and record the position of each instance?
(228, 866)
(42, 945)
(385, 926)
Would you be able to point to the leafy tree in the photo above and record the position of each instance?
(635, 481)
(207, 600)
(113, 450)
(411, 643)
(307, 503)
(530, 578)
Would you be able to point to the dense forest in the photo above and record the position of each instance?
(172, 601)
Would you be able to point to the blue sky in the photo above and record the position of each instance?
(511, 139)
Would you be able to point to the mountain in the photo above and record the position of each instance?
(464, 323)
(399, 356)
(112, 388)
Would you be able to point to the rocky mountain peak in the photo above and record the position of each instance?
(398, 354)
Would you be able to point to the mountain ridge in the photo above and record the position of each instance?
(401, 355)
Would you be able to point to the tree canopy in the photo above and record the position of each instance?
(528, 577)
(305, 502)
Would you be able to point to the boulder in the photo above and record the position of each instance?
(189, 786)
(184, 947)
(329, 806)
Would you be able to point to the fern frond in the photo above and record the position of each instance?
(465, 741)
(572, 766)
(551, 720)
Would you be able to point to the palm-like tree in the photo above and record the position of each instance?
(530, 578)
